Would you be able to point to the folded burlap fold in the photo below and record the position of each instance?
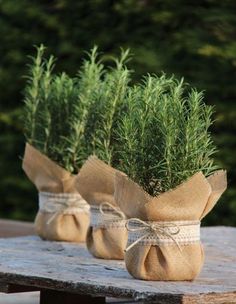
(107, 235)
(164, 231)
(63, 214)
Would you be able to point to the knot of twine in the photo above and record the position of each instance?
(62, 203)
(149, 228)
(106, 215)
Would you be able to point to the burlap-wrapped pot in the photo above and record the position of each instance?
(107, 235)
(164, 231)
(63, 214)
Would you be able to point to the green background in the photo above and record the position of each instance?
(194, 39)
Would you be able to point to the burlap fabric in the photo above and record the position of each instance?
(69, 224)
(190, 201)
(108, 238)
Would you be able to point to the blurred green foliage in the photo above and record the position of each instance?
(194, 39)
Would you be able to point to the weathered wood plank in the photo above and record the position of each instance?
(70, 268)
(10, 228)
(225, 298)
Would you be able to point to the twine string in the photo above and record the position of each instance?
(150, 229)
(107, 209)
(168, 229)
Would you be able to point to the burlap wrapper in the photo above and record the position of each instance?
(192, 200)
(47, 176)
(96, 185)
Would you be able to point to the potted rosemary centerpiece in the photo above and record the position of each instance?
(166, 149)
(55, 116)
(107, 235)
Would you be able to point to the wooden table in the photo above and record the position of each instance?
(67, 273)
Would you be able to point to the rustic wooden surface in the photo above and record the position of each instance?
(10, 228)
(70, 268)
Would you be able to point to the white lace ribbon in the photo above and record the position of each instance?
(106, 215)
(62, 203)
(162, 233)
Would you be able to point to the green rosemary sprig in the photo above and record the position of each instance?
(36, 116)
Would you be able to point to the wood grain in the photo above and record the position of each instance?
(28, 261)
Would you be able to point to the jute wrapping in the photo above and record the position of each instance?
(174, 259)
(69, 224)
(107, 235)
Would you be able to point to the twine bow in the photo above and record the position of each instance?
(150, 228)
(106, 215)
(61, 204)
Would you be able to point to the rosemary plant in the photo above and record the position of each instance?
(163, 137)
(56, 108)
(108, 105)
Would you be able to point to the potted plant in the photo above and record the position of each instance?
(167, 152)
(107, 235)
(55, 115)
